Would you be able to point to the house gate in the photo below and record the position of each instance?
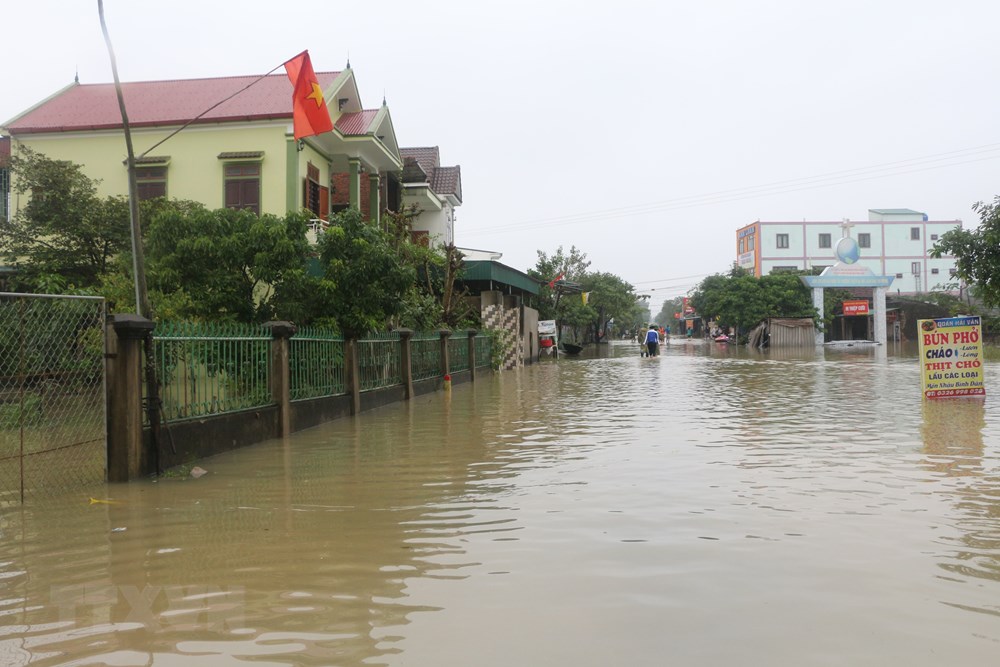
(53, 433)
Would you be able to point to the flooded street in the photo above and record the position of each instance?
(711, 506)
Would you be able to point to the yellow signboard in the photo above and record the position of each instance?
(951, 357)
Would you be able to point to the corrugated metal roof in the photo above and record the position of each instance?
(151, 103)
(500, 274)
(895, 211)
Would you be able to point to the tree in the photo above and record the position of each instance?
(66, 235)
(977, 252)
(362, 274)
(742, 301)
(229, 264)
(571, 267)
(611, 298)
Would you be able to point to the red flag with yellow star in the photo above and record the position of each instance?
(309, 113)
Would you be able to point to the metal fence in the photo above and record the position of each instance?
(425, 355)
(210, 369)
(484, 350)
(458, 352)
(379, 361)
(52, 397)
(316, 363)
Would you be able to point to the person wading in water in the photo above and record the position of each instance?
(652, 341)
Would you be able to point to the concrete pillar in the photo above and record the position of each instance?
(353, 367)
(374, 205)
(818, 305)
(354, 183)
(281, 333)
(879, 307)
(406, 360)
(127, 458)
(472, 354)
(445, 366)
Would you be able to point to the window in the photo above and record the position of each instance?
(914, 233)
(934, 271)
(934, 237)
(899, 275)
(864, 240)
(782, 240)
(151, 182)
(824, 241)
(952, 272)
(915, 268)
(741, 246)
(749, 243)
(242, 184)
(779, 269)
(315, 197)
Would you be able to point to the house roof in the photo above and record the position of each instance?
(358, 123)
(152, 103)
(448, 181)
(895, 211)
(443, 180)
(490, 274)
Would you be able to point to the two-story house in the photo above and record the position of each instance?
(224, 142)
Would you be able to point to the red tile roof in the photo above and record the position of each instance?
(356, 123)
(151, 103)
(427, 157)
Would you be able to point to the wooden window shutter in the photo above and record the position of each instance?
(324, 203)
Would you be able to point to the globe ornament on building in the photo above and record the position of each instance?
(847, 250)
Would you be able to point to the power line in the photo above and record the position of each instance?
(829, 179)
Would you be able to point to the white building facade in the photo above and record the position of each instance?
(892, 242)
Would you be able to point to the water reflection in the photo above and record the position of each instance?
(699, 507)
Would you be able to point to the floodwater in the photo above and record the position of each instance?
(711, 506)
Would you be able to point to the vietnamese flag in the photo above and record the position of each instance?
(309, 113)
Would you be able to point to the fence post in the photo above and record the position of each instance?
(445, 334)
(281, 333)
(406, 360)
(127, 458)
(472, 354)
(353, 367)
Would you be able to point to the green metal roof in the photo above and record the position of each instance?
(895, 211)
(501, 274)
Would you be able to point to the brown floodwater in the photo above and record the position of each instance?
(711, 506)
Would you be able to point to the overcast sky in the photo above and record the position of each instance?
(644, 133)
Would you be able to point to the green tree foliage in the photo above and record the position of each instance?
(572, 267)
(611, 298)
(229, 264)
(362, 275)
(977, 252)
(66, 235)
(742, 301)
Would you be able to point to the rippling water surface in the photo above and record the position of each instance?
(708, 507)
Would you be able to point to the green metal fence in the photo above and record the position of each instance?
(379, 361)
(484, 350)
(425, 355)
(458, 352)
(316, 363)
(208, 369)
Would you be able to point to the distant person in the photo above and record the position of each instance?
(652, 341)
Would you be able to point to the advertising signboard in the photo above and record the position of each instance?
(546, 327)
(951, 357)
(852, 308)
